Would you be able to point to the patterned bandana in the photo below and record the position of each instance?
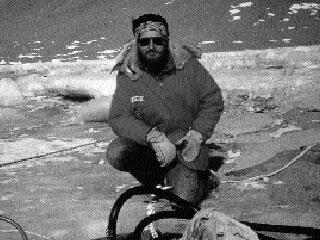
(151, 26)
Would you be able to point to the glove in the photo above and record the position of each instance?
(165, 150)
(154, 136)
(192, 150)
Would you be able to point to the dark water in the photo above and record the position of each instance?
(71, 30)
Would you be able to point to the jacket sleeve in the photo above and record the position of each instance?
(211, 103)
(121, 119)
(176, 135)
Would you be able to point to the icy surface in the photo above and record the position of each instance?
(31, 147)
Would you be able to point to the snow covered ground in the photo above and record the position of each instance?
(64, 189)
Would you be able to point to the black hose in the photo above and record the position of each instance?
(309, 231)
(160, 215)
(140, 190)
(16, 225)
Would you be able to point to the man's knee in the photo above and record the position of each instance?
(116, 154)
(188, 184)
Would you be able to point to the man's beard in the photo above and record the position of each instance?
(154, 66)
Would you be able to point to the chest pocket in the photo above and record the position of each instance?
(138, 107)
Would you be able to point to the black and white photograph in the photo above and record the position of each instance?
(159, 119)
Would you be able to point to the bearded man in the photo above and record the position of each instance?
(164, 108)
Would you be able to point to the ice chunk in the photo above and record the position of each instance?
(234, 11)
(9, 92)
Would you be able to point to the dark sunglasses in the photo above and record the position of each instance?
(146, 41)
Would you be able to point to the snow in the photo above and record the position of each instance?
(237, 41)
(29, 55)
(31, 147)
(234, 11)
(61, 55)
(243, 5)
(312, 6)
(74, 52)
(107, 52)
(280, 131)
(9, 92)
(56, 60)
(207, 42)
(92, 78)
(71, 47)
(236, 18)
(91, 41)
(95, 110)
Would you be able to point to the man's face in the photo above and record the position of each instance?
(151, 46)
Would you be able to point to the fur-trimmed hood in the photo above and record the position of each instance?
(127, 59)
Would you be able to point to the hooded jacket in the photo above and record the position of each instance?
(184, 97)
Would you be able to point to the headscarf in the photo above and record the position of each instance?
(127, 60)
(151, 26)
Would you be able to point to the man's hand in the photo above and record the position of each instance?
(154, 136)
(192, 150)
(165, 150)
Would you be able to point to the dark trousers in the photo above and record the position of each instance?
(141, 161)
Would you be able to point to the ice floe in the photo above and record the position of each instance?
(207, 42)
(71, 47)
(91, 41)
(235, 18)
(74, 52)
(234, 11)
(312, 7)
(108, 51)
(298, 6)
(29, 55)
(244, 4)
